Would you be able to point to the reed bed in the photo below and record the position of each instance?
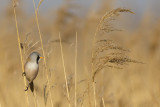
(40, 36)
(19, 46)
(91, 63)
(64, 69)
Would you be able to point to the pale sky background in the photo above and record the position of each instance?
(140, 7)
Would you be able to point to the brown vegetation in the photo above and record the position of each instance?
(90, 58)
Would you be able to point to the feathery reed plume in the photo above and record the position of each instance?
(64, 69)
(106, 18)
(103, 25)
(76, 72)
(108, 54)
(20, 51)
(39, 31)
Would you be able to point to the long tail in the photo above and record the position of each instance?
(32, 86)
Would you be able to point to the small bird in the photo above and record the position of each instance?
(31, 69)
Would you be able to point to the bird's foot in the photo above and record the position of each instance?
(23, 74)
(26, 89)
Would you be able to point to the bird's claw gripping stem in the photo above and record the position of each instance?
(23, 74)
(26, 89)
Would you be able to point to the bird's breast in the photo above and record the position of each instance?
(31, 70)
(31, 66)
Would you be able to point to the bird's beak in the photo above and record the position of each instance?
(41, 57)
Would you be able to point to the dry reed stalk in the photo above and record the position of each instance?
(64, 69)
(76, 72)
(106, 18)
(35, 98)
(89, 96)
(20, 51)
(39, 31)
(28, 45)
(32, 46)
(94, 92)
(103, 102)
(81, 99)
(40, 2)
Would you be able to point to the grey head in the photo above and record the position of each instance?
(34, 57)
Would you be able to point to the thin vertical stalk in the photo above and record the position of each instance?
(39, 31)
(92, 64)
(20, 51)
(35, 98)
(94, 90)
(103, 102)
(64, 69)
(76, 72)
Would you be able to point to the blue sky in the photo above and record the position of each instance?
(138, 6)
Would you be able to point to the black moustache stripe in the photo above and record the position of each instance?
(38, 59)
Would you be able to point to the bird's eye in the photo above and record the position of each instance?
(38, 59)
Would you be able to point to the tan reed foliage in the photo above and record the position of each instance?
(76, 72)
(35, 98)
(64, 69)
(103, 102)
(40, 35)
(20, 51)
(106, 18)
(40, 2)
(28, 46)
(94, 93)
(103, 25)
(108, 54)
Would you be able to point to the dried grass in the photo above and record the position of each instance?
(20, 51)
(107, 45)
(40, 2)
(103, 102)
(99, 62)
(45, 64)
(106, 55)
(76, 72)
(65, 74)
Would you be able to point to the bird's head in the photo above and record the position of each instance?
(35, 57)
